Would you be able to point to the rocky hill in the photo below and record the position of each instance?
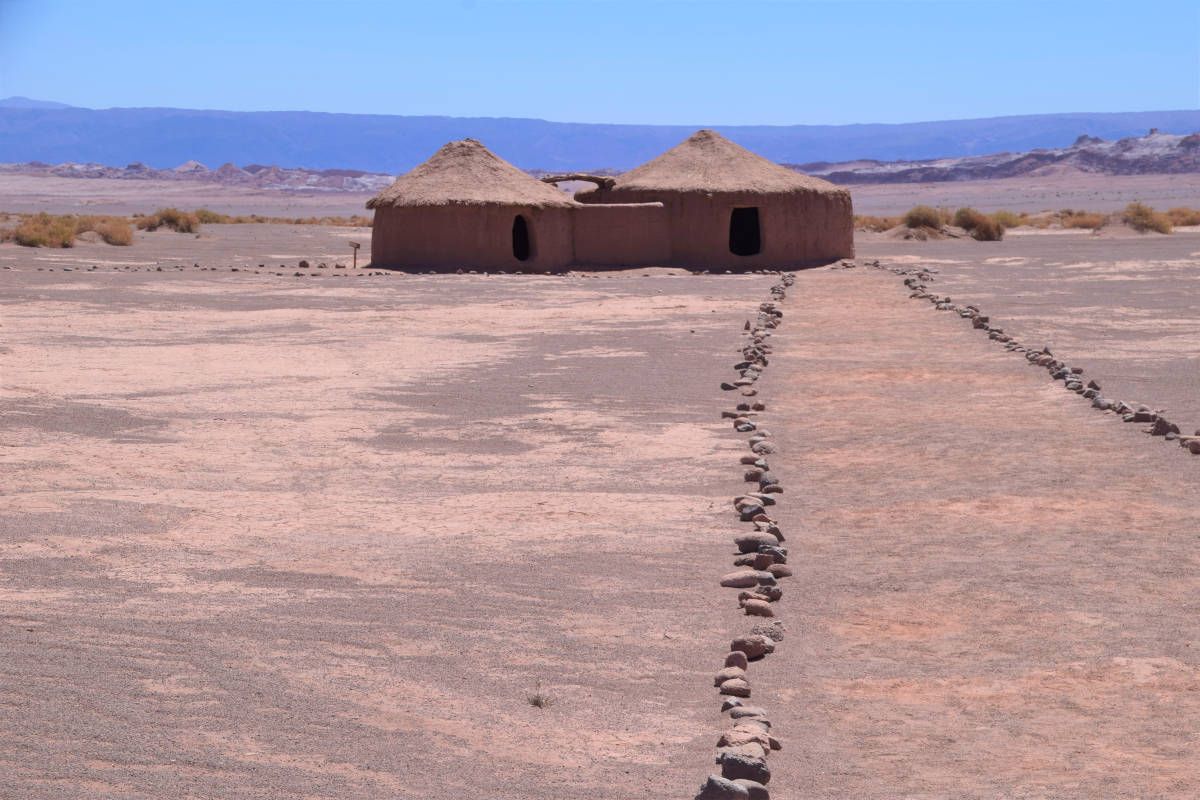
(1156, 153)
(255, 176)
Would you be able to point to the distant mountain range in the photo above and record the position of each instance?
(36, 130)
(253, 176)
(1156, 153)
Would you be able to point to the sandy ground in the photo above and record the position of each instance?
(22, 193)
(269, 537)
(996, 591)
(31, 193)
(273, 247)
(1049, 193)
(1121, 306)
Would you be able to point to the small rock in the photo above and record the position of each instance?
(734, 766)
(743, 579)
(758, 608)
(718, 788)
(736, 687)
(1193, 447)
(1162, 427)
(729, 673)
(747, 711)
(737, 658)
(753, 645)
(750, 542)
(780, 570)
(757, 790)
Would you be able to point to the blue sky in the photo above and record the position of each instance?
(733, 62)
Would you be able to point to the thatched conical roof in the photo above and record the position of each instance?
(708, 162)
(468, 174)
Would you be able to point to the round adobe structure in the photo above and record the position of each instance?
(729, 208)
(468, 208)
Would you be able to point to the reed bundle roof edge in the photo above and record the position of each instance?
(708, 162)
(465, 173)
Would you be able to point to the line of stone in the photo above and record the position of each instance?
(917, 280)
(743, 748)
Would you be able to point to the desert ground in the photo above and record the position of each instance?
(26, 194)
(278, 532)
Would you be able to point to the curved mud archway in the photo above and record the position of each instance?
(522, 238)
(745, 232)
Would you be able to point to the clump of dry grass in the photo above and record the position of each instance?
(1007, 219)
(61, 230)
(173, 218)
(43, 230)
(1143, 219)
(867, 222)
(926, 217)
(539, 699)
(1183, 216)
(1070, 218)
(113, 230)
(982, 227)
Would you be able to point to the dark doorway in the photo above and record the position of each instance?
(522, 248)
(745, 237)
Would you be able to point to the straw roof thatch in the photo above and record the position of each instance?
(708, 162)
(468, 174)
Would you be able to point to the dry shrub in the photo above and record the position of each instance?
(113, 230)
(209, 217)
(987, 230)
(968, 218)
(867, 222)
(1007, 219)
(1143, 219)
(1042, 220)
(1183, 216)
(924, 217)
(44, 230)
(173, 218)
(1082, 219)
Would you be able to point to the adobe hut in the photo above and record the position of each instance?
(729, 208)
(468, 208)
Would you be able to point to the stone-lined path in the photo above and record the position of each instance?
(996, 589)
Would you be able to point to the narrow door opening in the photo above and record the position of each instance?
(522, 248)
(745, 236)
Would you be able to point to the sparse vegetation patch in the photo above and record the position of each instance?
(1182, 216)
(926, 217)
(61, 230)
(173, 218)
(1144, 219)
(867, 222)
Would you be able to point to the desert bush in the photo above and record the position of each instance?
(1183, 216)
(1082, 219)
(113, 230)
(209, 217)
(1007, 219)
(967, 218)
(1042, 220)
(923, 217)
(867, 222)
(986, 229)
(1143, 219)
(44, 230)
(173, 218)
